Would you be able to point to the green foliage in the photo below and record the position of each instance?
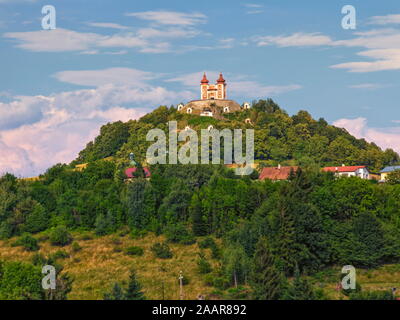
(132, 292)
(76, 247)
(60, 236)
(134, 251)
(20, 281)
(161, 250)
(178, 233)
(299, 289)
(28, 242)
(203, 265)
(266, 279)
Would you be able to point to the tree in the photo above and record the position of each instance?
(134, 290)
(266, 279)
(393, 177)
(60, 236)
(300, 289)
(117, 293)
(37, 220)
(101, 225)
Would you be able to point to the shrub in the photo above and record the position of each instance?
(138, 234)
(28, 242)
(179, 234)
(59, 254)
(134, 251)
(76, 247)
(60, 236)
(207, 243)
(161, 250)
(86, 236)
(39, 260)
(203, 265)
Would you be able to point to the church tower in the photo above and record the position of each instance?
(221, 86)
(204, 87)
(213, 92)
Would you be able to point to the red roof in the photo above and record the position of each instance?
(342, 168)
(130, 171)
(277, 173)
(204, 80)
(221, 79)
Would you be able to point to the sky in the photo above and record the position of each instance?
(116, 60)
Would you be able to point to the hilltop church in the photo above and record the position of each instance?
(213, 102)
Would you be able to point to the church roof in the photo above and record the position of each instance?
(221, 79)
(204, 80)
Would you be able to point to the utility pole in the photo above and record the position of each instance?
(180, 285)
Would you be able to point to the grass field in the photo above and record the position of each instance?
(102, 261)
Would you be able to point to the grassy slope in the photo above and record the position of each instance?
(98, 265)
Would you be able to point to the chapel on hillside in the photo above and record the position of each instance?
(213, 100)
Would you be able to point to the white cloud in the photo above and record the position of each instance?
(37, 132)
(237, 85)
(298, 39)
(107, 25)
(117, 76)
(367, 86)
(383, 137)
(384, 20)
(170, 17)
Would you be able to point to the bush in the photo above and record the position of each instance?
(28, 242)
(207, 243)
(179, 234)
(134, 251)
(39, 260)
(59, 254)
(60, 236)
(203, 265)
(86, 236)
(138, 234)
(161, 250)
(76, 247)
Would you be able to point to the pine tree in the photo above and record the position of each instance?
(117, 293)
(266, 278)
(300, 289)
(133, 292)
(199, 227)
(101, 225)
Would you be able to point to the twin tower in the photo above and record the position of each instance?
(213, 91)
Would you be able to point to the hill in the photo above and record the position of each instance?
(279, 138)
(230, 234)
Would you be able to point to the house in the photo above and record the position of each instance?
(387, 170)
(277, 173)
(349, 171)
(129, 173)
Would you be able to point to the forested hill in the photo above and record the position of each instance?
(279, 138)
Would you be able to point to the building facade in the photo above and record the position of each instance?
(213, 91)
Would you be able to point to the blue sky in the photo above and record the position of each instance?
(115, 60)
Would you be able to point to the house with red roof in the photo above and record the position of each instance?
(130, 173)
(349, 171)
(277, 173)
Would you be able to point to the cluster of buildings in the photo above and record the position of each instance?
(282, 173)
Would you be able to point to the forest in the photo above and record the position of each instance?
(266, 237)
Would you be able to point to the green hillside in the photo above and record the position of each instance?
(279, 138)
(233, 236)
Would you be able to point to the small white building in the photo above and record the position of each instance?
(349, 171)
